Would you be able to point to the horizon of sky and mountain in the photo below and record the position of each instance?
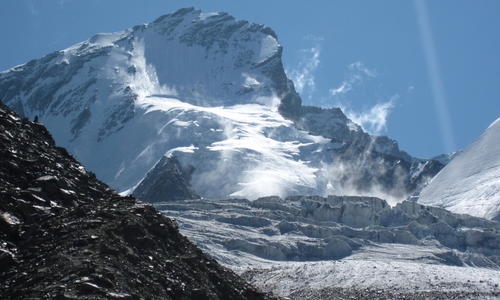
(423, 73)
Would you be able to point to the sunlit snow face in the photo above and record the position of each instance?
(247, 148)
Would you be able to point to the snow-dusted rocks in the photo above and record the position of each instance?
(470, 183)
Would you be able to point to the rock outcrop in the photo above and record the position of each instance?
(363, 164)
(66, 235)
(168, 180)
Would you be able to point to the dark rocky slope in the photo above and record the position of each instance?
(66, 235)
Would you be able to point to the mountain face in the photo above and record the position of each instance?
(470, 183)
(66, 235)
(211, 91)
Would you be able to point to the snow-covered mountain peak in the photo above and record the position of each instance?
(210, 91)
(207, 59)
(470, 183)
(218, 60)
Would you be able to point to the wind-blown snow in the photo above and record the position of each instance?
(193, 85)
(211, 91)
(470, 183)
(247, 137)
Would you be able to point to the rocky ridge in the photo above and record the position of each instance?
(66, 235)
(363, 164)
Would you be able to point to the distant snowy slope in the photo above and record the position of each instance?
(470, 183)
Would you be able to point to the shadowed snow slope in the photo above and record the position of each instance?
(470, 183)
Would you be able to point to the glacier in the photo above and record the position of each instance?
(303, 246)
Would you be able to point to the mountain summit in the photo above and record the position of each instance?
(210, 91)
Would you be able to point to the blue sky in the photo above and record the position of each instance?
(426, 74)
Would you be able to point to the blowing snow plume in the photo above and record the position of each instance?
(371, 119)
(303, 74)
(358, 164)
(365, 163)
